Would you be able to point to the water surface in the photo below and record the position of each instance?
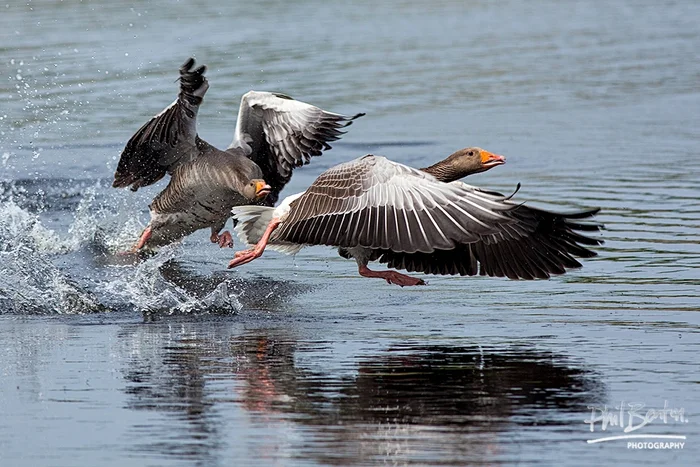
(298, 361)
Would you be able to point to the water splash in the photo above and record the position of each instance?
(100, 226)
(102, 223)
(95, 219)
(29, 284)
(21, 229)
(145, 289)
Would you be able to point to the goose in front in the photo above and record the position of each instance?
(274, 134)
(424, 220)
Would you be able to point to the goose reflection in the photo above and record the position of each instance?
(440, 403)
(435, 403)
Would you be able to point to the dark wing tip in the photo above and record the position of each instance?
(191, 79)
(283, 96)
(550, 249)
(124, 180)
(122, 177)
(583, 214)
(593, 226)
(123, 183)
(187, 66)
(517, 189)
(347, 121)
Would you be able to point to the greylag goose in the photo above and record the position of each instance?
(421, 221)
(274, 134)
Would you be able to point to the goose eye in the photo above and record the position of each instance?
(471, 153)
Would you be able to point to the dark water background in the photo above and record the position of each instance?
(298, 361)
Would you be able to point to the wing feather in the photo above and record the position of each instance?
(399, 208)
(280, 134)
(412, 221)
(167, 140)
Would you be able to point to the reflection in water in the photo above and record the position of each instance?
(179, 392)
(436, 403)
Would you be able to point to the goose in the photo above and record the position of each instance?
(274, 134)
(374, 209)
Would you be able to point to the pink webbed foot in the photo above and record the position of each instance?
(244, 257)
(402, 280)
(392, 277)
(225, 240)
(145, 235)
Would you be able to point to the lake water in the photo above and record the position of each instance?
(298, 360)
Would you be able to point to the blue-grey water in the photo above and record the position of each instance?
(298, 360)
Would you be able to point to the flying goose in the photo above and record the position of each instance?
(274, 134)
(421, 221)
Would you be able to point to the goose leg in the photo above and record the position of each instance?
(392, 277)
(246, 256)
(224, 239)
(143, 239)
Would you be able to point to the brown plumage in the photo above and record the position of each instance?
(274, 134)
(424, 220)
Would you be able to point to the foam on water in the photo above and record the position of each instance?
(29, 282)
(19, 228)
(144, 288)
(102, 226)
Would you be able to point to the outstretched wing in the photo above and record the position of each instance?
(538, 244)
(412, 221)
(279, 134)
(376, 203)
(168, 139)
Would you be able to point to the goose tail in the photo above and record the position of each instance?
(250, 224)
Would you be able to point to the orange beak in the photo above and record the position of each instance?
(489, 160)
(262, 189)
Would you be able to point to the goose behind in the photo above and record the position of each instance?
(274, 135)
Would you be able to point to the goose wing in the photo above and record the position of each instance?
(535, 245)
(279, 133)
(412, 221)
(376, 203)
(168, 139)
